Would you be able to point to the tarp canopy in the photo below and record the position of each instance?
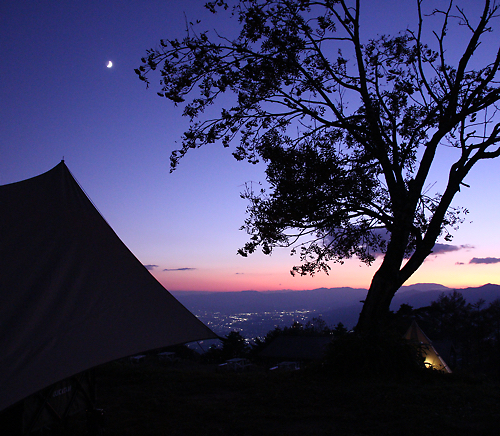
(430, 354)
(72, 295)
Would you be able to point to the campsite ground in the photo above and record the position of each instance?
(191, 399)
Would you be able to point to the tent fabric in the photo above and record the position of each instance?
(72, 295)
(430, 354)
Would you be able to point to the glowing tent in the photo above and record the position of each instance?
(431, 356)
(72, 295)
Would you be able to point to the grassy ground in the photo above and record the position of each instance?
(188, 399)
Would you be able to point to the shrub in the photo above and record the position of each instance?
(385, 356)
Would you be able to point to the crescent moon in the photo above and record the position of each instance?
(110, 64)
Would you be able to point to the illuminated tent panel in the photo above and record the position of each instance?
(431, 356)
(72, 295)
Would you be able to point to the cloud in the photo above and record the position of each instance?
(484, 260)
(239, 274)
(384, 236)
(459, 263)
(150, 267)
(448, 248)
(179, 269)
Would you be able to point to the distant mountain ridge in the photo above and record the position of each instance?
(262, 301)
(417, 297)
(334, 305)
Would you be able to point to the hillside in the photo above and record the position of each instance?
(189, 399)
(334, 305)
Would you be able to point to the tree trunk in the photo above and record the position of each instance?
(390, 276)
(376, 306)
(385, 283)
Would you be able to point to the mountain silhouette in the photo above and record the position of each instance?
(333, 305)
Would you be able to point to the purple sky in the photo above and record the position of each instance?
(58, 100)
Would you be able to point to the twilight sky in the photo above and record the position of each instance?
(58, 100)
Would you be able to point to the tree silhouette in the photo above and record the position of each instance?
(234, 345)
(349, 127)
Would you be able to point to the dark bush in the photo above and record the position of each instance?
(384, 356)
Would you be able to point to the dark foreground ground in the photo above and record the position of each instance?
(189, 399)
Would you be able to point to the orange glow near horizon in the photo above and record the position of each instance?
(445, 270)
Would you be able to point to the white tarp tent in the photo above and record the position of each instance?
(431, 356)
